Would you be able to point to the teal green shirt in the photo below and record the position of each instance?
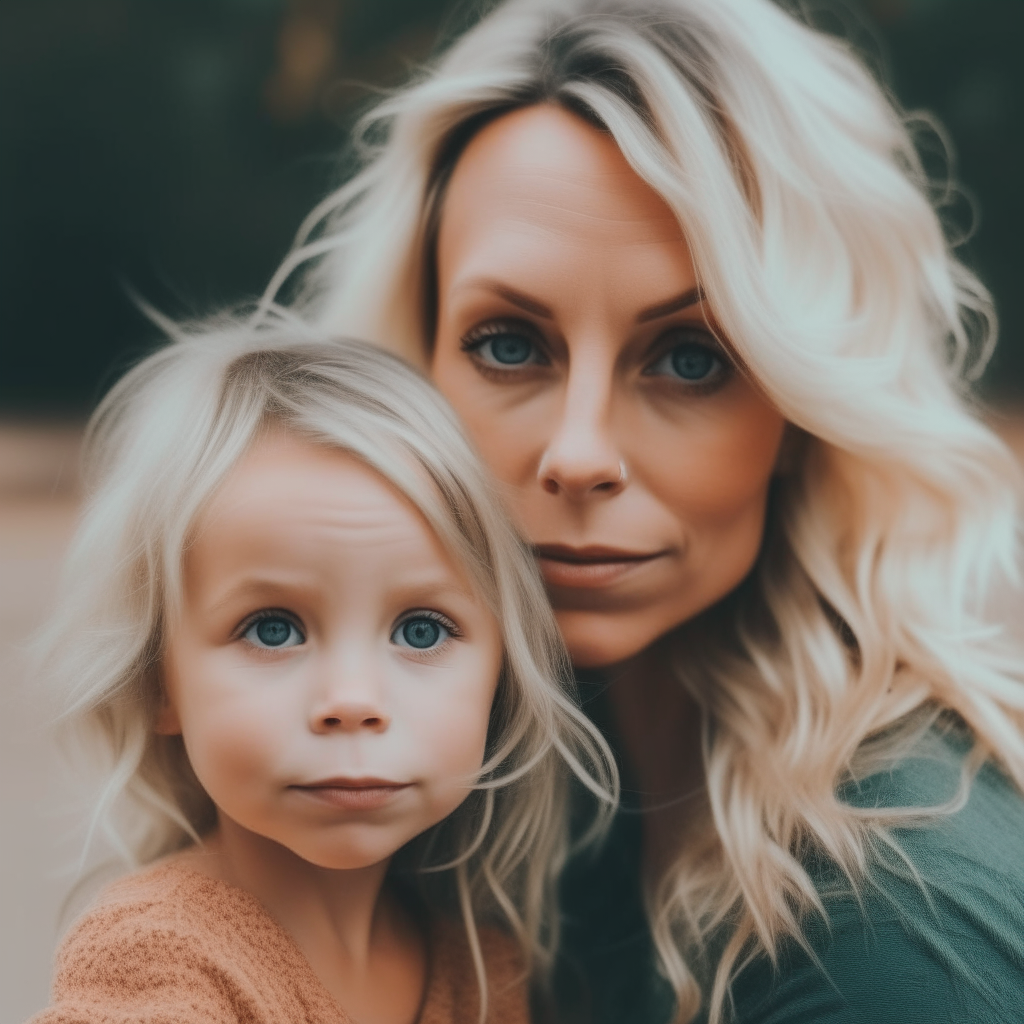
(948, 952)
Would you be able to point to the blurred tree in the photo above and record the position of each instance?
(175, 145)
(961, 60)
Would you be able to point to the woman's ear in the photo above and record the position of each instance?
(791, 450)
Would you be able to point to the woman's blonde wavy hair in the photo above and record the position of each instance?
(813, 227)
(157, 449)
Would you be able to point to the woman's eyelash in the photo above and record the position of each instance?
(691, 357)
(695, 334)
(497, 328)
(503, 346)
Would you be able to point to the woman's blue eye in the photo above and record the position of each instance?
(420, 633)
(502, 346)
(510, 349)
(693, 362)
(274, 631)
(690, 361)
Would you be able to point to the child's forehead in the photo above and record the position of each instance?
(285, 478)
(281, 458)
(291, 499)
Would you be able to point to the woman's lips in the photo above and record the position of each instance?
(364, 794)
(593, 566)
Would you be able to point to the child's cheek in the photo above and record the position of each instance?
(235, 736)
(452, 726)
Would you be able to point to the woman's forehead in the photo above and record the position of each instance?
(544, 204)
(545, 167)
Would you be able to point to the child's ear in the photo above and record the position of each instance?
(167, 721)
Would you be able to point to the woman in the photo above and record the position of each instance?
(675, 264)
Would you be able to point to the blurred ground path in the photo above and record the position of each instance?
(43, 797)
(38, 503)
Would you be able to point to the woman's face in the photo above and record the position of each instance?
(574, 343)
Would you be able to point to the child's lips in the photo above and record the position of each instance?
(353, 794)
(592, 566)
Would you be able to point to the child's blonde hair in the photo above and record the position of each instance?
(157, 449)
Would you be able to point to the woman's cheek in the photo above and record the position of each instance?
(510, 433)
(715, 456)
(721, 501)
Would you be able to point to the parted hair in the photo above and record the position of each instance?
(817, 240)
(157, 448)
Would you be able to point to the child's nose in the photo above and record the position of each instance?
(350, 700)
(350, 716)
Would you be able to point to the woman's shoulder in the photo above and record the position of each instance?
(971, 848)
(936, 934)
(179, 944)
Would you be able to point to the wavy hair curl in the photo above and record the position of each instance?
(814, 231)
(157, 449)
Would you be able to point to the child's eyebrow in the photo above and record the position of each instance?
(455, 591)
(255, 585)
(436, 586)
(415, 591)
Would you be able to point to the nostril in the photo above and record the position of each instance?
(353, 721)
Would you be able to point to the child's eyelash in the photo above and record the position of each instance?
(265, 613)
(434, 616)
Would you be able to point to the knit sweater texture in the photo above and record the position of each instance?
(171, 946)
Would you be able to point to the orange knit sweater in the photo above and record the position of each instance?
(171, 946)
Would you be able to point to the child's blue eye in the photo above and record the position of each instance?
(274, 631)
(420, 633)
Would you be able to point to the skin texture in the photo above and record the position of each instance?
(551, 245)
(608, 443)
(337, 562)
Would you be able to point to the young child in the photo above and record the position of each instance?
(332, 690)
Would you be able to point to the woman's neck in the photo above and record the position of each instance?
(659, 727)
(358, 938)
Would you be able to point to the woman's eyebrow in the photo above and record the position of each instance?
(516, 298)
(688, 298)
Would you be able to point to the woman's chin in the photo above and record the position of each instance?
(597, 640)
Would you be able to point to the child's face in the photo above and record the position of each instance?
(331, 671)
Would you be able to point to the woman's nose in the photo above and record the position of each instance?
(349, 700)
(582, 460)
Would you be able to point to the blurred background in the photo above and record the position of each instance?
(172, 147)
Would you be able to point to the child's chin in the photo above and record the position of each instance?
(344, 856)
(349, 863)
